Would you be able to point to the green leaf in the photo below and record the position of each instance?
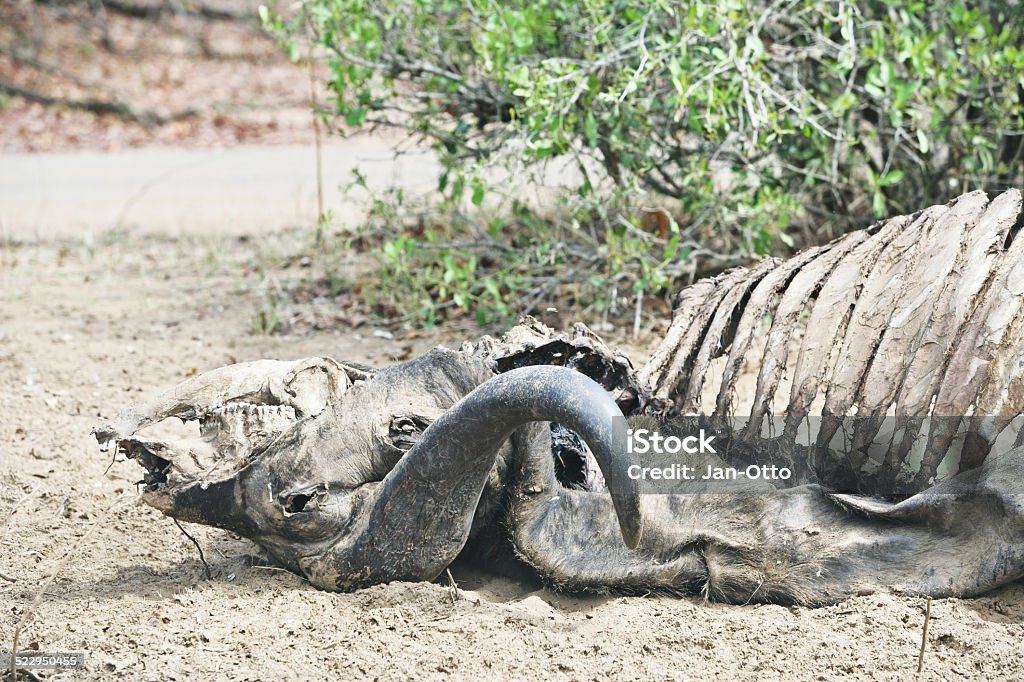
(893, 177)
(519, 75)
(522, 38)
(478, 192)
(878, 204)
(844, 103)
(356, 117)
(590, 129)
(754, 46)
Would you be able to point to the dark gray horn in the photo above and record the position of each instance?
(422, 512)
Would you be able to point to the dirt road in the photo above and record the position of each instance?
(193, 191)
(87, 327)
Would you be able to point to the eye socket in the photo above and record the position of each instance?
(405, 431)
(312, 513)
(298, 501)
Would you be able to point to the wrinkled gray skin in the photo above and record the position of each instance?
(387, 476)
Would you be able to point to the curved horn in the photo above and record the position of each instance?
(420, 515)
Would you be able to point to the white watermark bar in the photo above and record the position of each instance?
(876, 454)
(39, 660)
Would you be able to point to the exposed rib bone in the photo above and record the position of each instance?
(920, 315)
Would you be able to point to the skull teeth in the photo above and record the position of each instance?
(250, 409)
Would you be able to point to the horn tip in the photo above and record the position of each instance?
(632, 531)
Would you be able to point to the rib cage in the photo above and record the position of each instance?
(916, 317)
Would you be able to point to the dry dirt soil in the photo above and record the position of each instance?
(191, 80)
(84, 567)
(86, 328)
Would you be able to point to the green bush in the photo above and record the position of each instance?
(750, 123)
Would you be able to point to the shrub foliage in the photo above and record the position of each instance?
(749, 123)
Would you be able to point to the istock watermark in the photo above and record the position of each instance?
(658, 446)
(642, 441)
(881, 455)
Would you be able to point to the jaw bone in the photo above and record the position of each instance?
(306, 386)
(239, 408)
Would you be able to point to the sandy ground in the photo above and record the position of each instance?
(84, 567)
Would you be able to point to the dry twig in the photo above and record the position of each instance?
(924, 634)
(453, 588)
(202, 557)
